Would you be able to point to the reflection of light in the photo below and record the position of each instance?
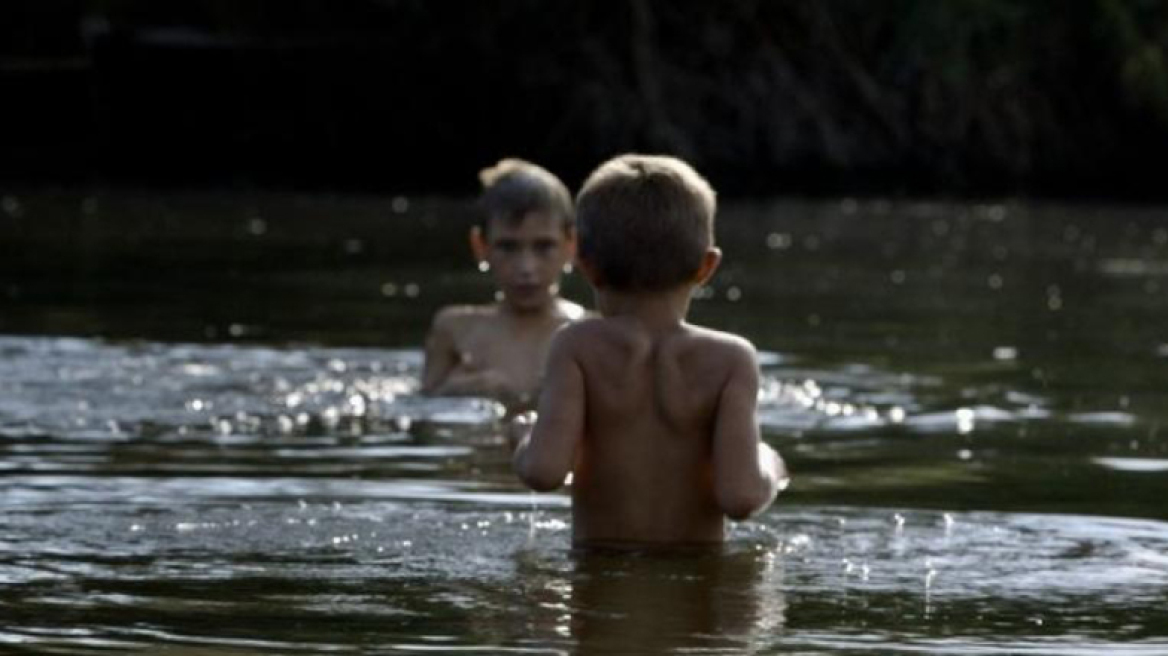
(964, 420)
(776, 241)
(896, 415)
(1005, 353)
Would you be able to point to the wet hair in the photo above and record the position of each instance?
(513, 188)
(644, 222)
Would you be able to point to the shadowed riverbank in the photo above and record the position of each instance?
(977, 98)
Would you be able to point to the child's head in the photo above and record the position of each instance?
(646, 224)
(525, 235)
(514, 188)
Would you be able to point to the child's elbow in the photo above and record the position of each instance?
(538, 476)
(744, 504)
(541, 481)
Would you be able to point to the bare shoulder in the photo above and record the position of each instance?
(723, 343)
(578, 334)
(568, 311)
(734, 350)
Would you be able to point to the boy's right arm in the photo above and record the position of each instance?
(441, 354)
(547, 454)
(747, 472)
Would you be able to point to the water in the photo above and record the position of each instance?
(970, 397)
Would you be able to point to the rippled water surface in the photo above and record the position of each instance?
(211, 440)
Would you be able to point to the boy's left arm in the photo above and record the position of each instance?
(546, 455)
(748, 473)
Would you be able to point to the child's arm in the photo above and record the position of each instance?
(747, 473)
(547, 454)
(441, 354)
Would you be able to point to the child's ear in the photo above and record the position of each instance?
(570, 245)
(478, 243)
(710, 261)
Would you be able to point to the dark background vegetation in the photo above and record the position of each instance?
(968, 97)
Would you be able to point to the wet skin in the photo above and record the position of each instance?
(498, 350)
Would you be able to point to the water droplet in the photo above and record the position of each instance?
(896, 414)
(778, 241)
(995, 281)
(412, 290)
(354, 246)
(400, 204)
(733, 294)
(257, 226)
(964, 454)
(388, 289)
(897, 277)
(1005, 353)
(965, 420)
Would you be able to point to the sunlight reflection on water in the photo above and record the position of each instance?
(152, 491)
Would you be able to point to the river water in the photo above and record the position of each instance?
(211, 440)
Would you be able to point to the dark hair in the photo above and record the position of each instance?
(513, 188)
(644, 223)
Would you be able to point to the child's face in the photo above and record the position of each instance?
(526, 258)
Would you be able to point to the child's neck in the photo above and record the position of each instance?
(665, 309)
(528, 315)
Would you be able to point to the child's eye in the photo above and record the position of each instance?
(544, 246)
(506, 246)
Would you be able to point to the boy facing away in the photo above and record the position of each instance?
(525, 239)
(654, 417)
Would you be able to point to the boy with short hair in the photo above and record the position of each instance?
(525, 238)
(654, 417)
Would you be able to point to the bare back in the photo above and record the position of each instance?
(646, 473)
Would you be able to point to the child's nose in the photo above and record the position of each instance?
(527, 260)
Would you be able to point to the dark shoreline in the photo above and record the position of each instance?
(818, 98)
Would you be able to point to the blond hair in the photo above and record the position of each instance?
(513, 188)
